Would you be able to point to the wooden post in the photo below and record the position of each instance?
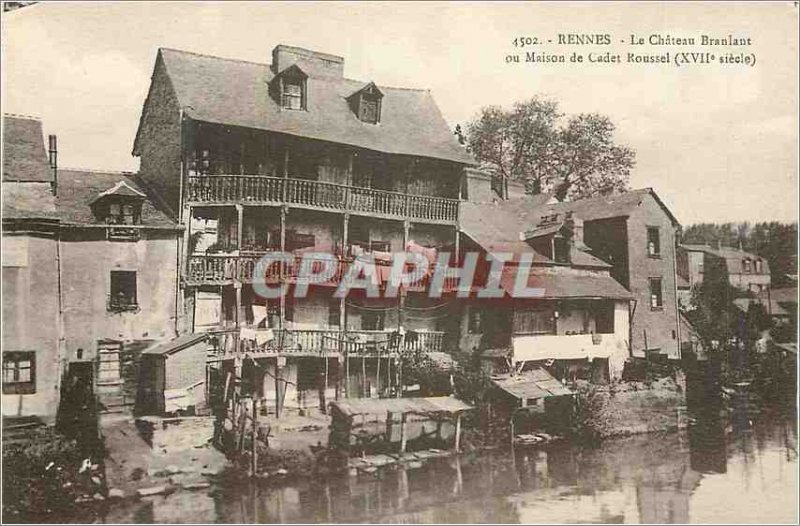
(346, 375)
(389, 427)
(237, 286)
(278, 387)
(363, 374)
(254, 455)
(239, 226)
(283, 249)
(403, 437)
(458, 433)
(378, 376)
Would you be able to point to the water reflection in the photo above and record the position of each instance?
(712, 473)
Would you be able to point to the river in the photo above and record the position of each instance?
(707, 474)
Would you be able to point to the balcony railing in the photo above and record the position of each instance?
(219, 269)
(321, 342)
(319, 194)
(223, 269)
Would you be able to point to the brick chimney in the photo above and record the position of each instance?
(313, 63)
(574, 225)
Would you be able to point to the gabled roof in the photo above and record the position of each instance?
(364, 88)
(78, 189)
(236, 93)
(497, 227)
(733, 257)
(608, 206)
(24, 154)
(293, 69)
(122, 189)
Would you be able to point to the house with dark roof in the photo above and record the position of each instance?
(635, 232)
(575, 321)
(90, 270)
(744, 270)
(30, 277)
(294, 156)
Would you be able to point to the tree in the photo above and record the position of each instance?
(534, 143)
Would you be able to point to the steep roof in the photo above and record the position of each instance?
(608, 206)
(24, 155)
(28, 200)
(236, 93)
(77, 189)
(497, 227)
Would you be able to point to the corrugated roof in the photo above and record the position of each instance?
(176, 344)
(77, 189)
(370, 406)
(24, 154)
(608, 206)
(534, 384)
(236, 93)
(563, 285)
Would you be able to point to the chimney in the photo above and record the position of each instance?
(52, 158)
(313, 63)
(574, 225)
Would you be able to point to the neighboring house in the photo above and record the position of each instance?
(635, 233)
(89, 277)
(578, 323)
(294, 156)
(119, 275)
(30, 277)
(744, 270)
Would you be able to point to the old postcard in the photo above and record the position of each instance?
(376, 262)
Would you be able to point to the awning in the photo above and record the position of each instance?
(531, 385)
(566, 286)
(380, 406)
(541, 231)
(563, 347)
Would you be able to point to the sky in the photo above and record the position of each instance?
(717, 143)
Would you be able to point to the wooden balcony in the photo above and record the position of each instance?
(223, 269)
(256, 189)
(326, 342)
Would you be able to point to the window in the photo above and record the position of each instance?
(759, 266)
(656, 298)
(122, 213)
(653, 242)
(334, 311)
(123, 290)
(368, 112)
(534, 321)
(560, 250)
(475, 321)
(293, 96)
(19, 372)
(373, 320)
(746, 263)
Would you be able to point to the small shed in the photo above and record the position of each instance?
(533, 399)
(372, 425)
(172, 375)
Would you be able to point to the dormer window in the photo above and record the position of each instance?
(119, 205)
(366, 103)
(290, 88)
(747, 265)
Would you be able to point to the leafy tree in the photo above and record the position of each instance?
(533, 142)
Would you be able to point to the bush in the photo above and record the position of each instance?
(42, 477)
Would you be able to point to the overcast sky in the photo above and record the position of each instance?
(717, 143)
